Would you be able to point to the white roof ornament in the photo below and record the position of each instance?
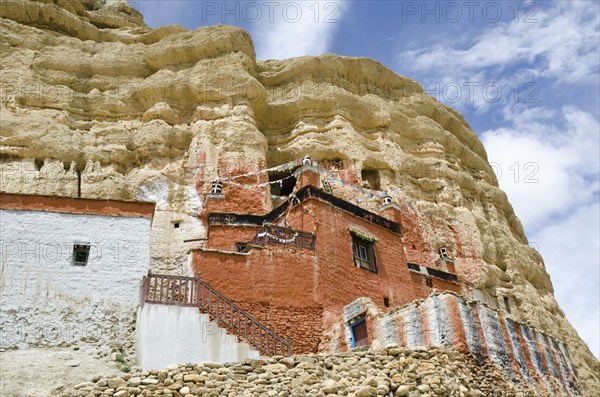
(445, 256)
(444, 252)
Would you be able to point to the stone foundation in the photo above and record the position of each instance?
(368, 373)
(522, 353)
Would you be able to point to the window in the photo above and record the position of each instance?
(372, 178)
(282, 182)
(176, 225)
(242, 247)
(327, 187)
(386, 301)
(81, 252)
(364, 253)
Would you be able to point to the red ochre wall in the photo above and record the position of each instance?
(224, 237)
(275, 285)
(240, 200)
(300, 292)
(296, 291)
(339, 281)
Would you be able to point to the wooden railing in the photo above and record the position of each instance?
(194, 292)
(271, 234)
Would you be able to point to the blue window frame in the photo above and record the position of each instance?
(359, 332)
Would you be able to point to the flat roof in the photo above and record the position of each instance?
(305, 193)
(76, 205)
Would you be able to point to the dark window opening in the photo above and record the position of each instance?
(507, 304)
(441, 274)
(360, 335)
(386, 301)
(176, 225)
(282, 183)
(372, 178)
(364, 253)
(429, 282)
(39, 163)
(81, 253)
(241, 247)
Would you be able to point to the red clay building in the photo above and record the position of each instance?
(297, 266)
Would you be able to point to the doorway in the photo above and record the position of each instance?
(360, 335)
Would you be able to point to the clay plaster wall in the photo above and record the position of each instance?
(48, 301)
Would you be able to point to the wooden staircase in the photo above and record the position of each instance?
(194, 292)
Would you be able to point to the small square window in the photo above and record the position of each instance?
(176, 225)
(81, 253)
(242, 247)
(444, 253)
(364, 253)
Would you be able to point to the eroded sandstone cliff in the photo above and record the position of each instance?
(94, 100)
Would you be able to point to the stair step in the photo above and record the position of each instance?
(208, 301)
(254, 354)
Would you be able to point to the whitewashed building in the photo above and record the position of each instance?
(70, 268)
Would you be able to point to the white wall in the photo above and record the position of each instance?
(46, 301)
(174, 334)
(36, 250)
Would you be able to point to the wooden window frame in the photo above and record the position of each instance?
(363, 253)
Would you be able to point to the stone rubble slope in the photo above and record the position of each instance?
(364, 372)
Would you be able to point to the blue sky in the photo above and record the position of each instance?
(525, 75)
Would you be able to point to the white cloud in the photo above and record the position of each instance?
(546, 170)
(297, 29)
(574, 261)
(554, 187)
(506, 63)
(547, 157)
(562, 44)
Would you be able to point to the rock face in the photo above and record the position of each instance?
(94, 101)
